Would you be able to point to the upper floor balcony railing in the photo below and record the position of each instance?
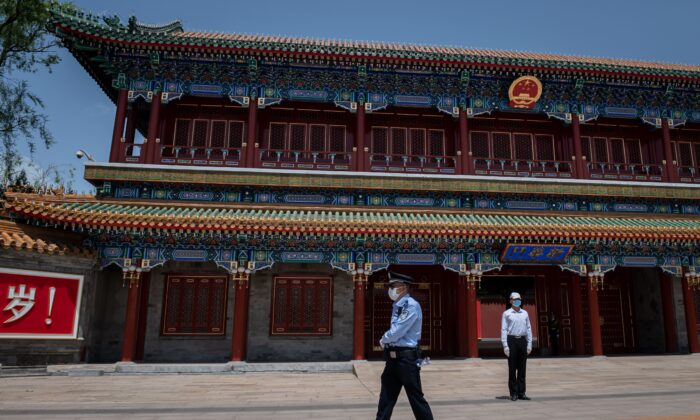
(304, 159)
(520, 167)
(626, 171)
(689, 174)
(408, 163)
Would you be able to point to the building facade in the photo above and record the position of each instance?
(259, 187)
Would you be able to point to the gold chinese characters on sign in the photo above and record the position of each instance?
(524, 92)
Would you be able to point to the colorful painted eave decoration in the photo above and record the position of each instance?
(100, 215)
(69, 22)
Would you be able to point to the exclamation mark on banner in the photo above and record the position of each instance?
(52, 294)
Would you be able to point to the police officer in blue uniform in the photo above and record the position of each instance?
(401, 349)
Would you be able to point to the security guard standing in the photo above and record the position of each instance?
(400, 344)
(516, 336)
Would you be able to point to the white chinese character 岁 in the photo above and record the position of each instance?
(21, 299)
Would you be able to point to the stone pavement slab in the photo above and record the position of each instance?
(608, 388)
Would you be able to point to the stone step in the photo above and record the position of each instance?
(292, 367)
(18, 371)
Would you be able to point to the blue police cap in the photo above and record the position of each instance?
(400, 278)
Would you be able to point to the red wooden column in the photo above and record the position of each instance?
(240, 317)
(118, 131)
(132, 316)
(594, 317)
(690, 322)
(577, 308)
(130, 134)
(462, 322)
(151, 154)
(466, 158)
(670, 168)
(670, 336)
(248, 154)
(359, 282)
(580, 165)
(472, 320)
(361, 155)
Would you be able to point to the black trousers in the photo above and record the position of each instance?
(517, 364)
(402, 372)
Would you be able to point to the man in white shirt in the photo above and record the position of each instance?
(516, 336)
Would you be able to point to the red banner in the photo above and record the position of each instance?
(35, 304)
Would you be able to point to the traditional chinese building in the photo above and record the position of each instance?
(259, 187)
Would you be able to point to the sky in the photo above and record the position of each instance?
(81, 115)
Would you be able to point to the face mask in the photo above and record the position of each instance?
(517, 303)
(393, 294)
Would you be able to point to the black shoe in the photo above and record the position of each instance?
(513, 397)
(523, 397)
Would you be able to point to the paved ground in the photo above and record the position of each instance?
(649, 387)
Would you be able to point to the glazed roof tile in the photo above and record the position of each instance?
(41, 240)
(90, 26)
(348, 221)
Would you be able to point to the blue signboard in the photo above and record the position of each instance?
(535, 253)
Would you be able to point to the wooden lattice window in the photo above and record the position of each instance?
(278, 135)
(523, 146)
(684, 154)
(437, 142)
(398, 141)
(336, 139)
(182, 132)
(417, 142)
(545, 147)
(633, 151)
(200, 133)
(218, 134)
(501, 145)
(317, 138)
(617, 151)
(194, 305)
(600, 146)
(479, 144)
(302, 305)
(297, 137)
(697, 154)
(235, 134)
(379, 140)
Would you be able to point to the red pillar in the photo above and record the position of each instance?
(670, 168)
(594, 318)
(577, 308)
(131, 321)
(473, 322)
(361, 155)
(240, 320)
(130, 135)
(462, 323)
(151, 153)
(248, 155)
(467, 167)
(358, 335)
(690, 321)
(579, 165)
(115, 150)
(670, 336)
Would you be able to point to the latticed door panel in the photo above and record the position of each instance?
(297, 137)
(302, 306)
(479, 144)
(337, 142)
(617, 151)
(437, 143)
(218, 134)
(586, 148)
(235, 134)
(417, 142)
(685, 157)
(545, 147)
(398, 142)
(195, 305)
(182, 132)
(501, 146)
(600, 146)
(379, 140)
(317, 138)
(633, 151)
(523, 146)
(200, 135)
(278, 135)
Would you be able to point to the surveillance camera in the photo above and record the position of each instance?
(79, 154)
